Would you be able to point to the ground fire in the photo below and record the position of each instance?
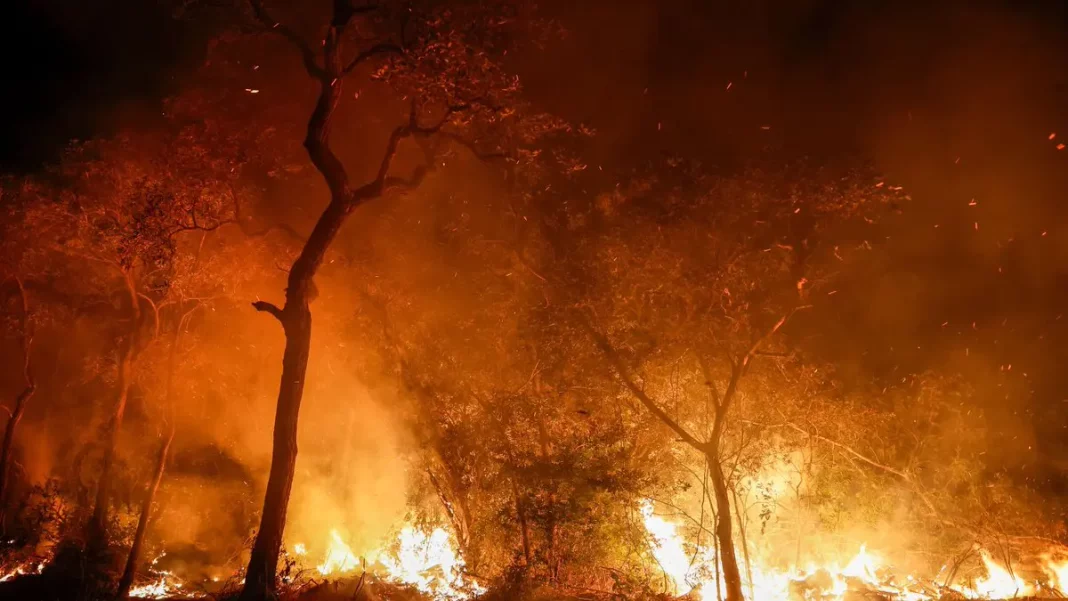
(499, 300)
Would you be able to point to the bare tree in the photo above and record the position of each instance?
(295, 314)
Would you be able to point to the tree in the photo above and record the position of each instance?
(115, 210)
(26, 333)
(130, 569)
(447, 66)
(683, 268)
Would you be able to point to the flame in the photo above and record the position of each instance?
(21, 570)
(668, 549)
(428, 562)
(999, 583)
(1058, 573)
(865, 572)
(339, 557)
(17, 571)
(165, 584)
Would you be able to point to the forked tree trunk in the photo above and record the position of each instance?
(20, 404)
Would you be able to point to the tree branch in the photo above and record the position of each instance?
(375, 50)
(155, 314)
(269, 308)
(738, 369)
(903, 475)
(292, 36)
(382, 182)
(650, 404)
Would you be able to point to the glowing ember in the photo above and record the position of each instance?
(22, 570)
(166, 585)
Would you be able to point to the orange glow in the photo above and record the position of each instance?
(865, 572)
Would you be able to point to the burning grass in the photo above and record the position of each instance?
(691, 571)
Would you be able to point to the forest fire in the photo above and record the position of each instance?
(443, 300)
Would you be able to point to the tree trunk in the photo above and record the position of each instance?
(732, 577)
(739, 509)
(524, 528)
(295, 315)
(97, 535)
(5, 452)
(130, 570)
(263, 563)
(452, 498)
(20, 403)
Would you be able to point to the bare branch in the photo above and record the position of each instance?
(376, 50)
(195, 227)
(709, 383)
(650, 404)
(155, 313)
(306, 53)
(744, 362)
(382, 182)
(269, 308)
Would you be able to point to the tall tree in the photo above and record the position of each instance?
(447, 66)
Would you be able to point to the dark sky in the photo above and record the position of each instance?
(75, 69)
(952, 100)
